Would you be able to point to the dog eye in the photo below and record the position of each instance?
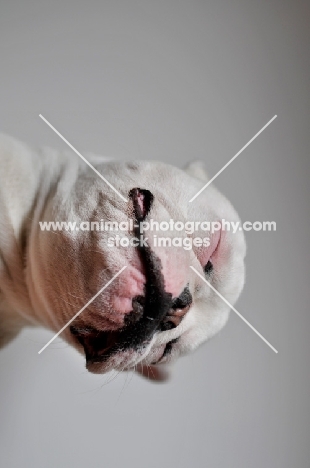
(208, 268)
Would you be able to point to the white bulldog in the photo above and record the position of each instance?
(158, 308)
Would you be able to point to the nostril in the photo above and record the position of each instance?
(174, 318)
(142, 202)
(138, 304)
(184, 300)
(208, 268)
(179, 307)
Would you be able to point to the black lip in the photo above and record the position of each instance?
(150, 312)
(99, 346)
(157, 302)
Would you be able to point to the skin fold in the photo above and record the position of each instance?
(156, 310)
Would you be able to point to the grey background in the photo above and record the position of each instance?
(175, 81)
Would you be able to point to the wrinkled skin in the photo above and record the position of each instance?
(158, 308)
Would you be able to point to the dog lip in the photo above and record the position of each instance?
(167, 351)
(154, 307)
(156, 304)
(95, 342)
(136, 334)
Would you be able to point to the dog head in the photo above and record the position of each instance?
(158, 308)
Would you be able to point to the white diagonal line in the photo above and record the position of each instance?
(232, 159)
(232, 307)
(83, 308)
(82, 157)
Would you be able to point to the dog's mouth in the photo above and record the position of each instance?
(154, 311)
(100, 346)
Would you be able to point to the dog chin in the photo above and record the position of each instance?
(151, 355)
(121, 361)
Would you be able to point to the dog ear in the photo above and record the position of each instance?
(197, 169)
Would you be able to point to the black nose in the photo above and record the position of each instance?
(142, 202)
(180, 306)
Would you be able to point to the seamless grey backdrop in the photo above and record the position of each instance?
(174, 81)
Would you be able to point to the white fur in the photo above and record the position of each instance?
(45, 278)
